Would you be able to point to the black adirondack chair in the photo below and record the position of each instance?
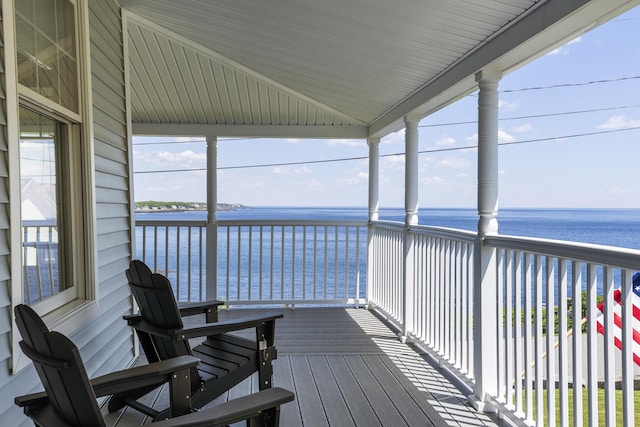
(69, 398)
(226, 359)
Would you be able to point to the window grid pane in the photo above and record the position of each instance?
(47, 49)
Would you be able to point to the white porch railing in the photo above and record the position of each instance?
(532, 274)
(535, 274)
(440, 306)
(427, 290)
(261, 262)
(40, 260)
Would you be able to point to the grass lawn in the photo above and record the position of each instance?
(601, 415)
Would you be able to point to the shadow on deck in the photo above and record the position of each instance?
(348, 368)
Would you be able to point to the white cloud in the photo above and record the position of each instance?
(456, 164)
(255, 184)
(525, 127)
(392, 162)
(170, 160)
(619, 122)
(357, 179)
(394, 138)
(507, 106)
(502, 137)
(431, 180)
(290, 170)
(347, 143)
(566, 48)
(183, 156)
(446, 141)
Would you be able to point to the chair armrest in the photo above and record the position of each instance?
(246, 322)
(191, 308)
(44, 415)
(232, 411)
(34, 399)
(141, 376)
(203, 330)
(119, 381)
(209, 308)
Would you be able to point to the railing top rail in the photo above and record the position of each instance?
(444, 232)
(252, 222)
(586, 252)
(39, 222)
(389, 225)
(293, 222)
(171, 222)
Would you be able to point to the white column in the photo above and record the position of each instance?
(374, 175)
(488, 152)
(485, 275)
(410, 218)
(374, 200)
(411, 170)
(212, 218)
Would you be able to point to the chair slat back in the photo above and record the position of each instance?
(60, 368)
(158, 307)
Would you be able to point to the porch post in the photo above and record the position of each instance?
(485, 321)
(212, 218)
(410, 218)
(411, 170)
(374, 175)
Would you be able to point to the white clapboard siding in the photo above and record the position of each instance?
(106, 343)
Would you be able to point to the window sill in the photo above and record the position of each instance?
(71, 316)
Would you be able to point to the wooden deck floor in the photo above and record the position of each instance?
(347, 368)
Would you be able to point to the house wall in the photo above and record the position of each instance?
(106, 343)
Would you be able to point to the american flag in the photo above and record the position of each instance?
(617, 317)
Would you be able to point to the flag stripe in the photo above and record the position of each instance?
(617, 321)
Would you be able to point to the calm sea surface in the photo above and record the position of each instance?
(614, 227)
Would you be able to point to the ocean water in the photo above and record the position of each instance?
(612, 227)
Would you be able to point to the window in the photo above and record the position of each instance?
(46, 50)
(46, 231)
(55, 159)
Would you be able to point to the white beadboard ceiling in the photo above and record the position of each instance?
(333, 68)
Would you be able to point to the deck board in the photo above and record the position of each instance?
(347, 368)
(353, 394)
(335, 407)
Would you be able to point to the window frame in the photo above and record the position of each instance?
(64, 316)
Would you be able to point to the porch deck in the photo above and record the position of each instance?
(348, 368)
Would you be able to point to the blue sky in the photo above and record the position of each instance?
(576, 155)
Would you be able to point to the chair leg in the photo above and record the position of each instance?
(120, 400)
(267, 352)
(269, 418)
(180, 393)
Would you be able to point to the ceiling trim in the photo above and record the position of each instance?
(258, 131)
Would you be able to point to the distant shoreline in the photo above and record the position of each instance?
(144, 207)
